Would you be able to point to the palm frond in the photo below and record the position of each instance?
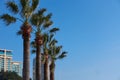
(50, 51)
(53, 30)
(12, 6)
(58, 49)
(47, 24)
(48, 17)
(34, 4)
(36, 20)
(26, 10)
(23, 3)
(19, 32)
(51, 37)
(41, 11)
(33, 19)
(62, 55)
(46, 37)
(8, 19)
(33, 44)
(53, 42)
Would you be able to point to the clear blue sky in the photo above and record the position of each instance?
(90, 32)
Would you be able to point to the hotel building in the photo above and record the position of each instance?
(16, 67)
(6, 63)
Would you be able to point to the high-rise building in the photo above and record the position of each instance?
(16, 67)
(5, 59)
(6, 63)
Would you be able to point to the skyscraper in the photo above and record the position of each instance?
(6, 63)
(5, 59)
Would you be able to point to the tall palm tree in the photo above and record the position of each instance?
(25, 10)
(45, 56)
(55, 54)
(41, 22)
(47, 39)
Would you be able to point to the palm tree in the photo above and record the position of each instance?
(45, 56)
(41, 22)
(47, 39)
(55, 54)
(25, 11)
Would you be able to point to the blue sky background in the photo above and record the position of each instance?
(89, 31)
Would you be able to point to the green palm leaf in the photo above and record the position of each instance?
(46, 37)
(8, 19)
(36, 20)
(12, 6)
(53, 42)
(53, 30)
(62, 55)
(34, 4)
(48, 16)
(41, 11)
(33, 44)
(33, 19)
(26, 10)
(23, 3)
(58, 49)
(51, 37)
(47, 24)
(19, 32)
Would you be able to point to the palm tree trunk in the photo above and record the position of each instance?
(46, 68)
(38, 63)
(26, 58)
(26, 29)
(38, 41)
(52, 69)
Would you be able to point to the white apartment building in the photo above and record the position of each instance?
(6, 63)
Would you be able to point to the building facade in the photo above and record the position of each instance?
(16, 67)
(6, 63)
(5, 60)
